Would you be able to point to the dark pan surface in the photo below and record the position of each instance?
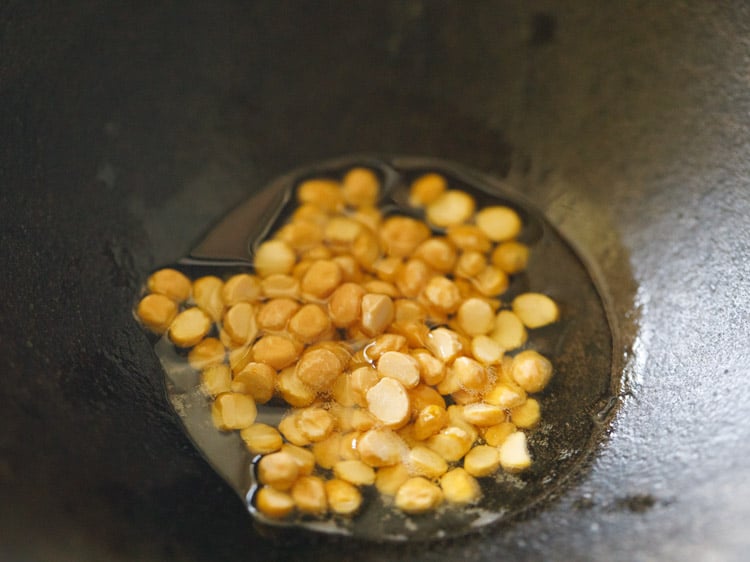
(124, 134)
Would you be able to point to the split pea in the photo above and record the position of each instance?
(274, 503)
(429, 421)
(400, 366)
(497, 434)
(170, 283)
(343, 497)
(390, 478)
(486, 350)
(508, 331)
(309, 323)
(482, 460)
(460, 487)
(355, 472)
(322, 193)
(345, 304)
(319, 368)
(274, 256)
(360, 187)
(511, 256)
(426, 189)
(514, 453)
(208, 352)
(418, 495)
(377, 313)
(315, 423)
(531, 370)
(233, 411)
(423, 461)
(294, 392)
(261, 439)
(381, 447)
(303, 457)
(278, 285)
(321, 279)
(274, 315)
(207, 295)
(189, 327)
(240, 324)
(451, 208)
(278, 470)
(499, 223)
(157, 312)
(309, 495)
(438, 253)
(275, 351)
(526, 415)
(402, 235)
(389, 402)
(216, 379)
(535, 309)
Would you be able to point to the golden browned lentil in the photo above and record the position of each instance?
(422, 322)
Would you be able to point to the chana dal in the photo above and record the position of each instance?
(387, 339)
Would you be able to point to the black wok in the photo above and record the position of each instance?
(125, 133)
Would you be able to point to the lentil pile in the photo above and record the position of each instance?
(385, 337)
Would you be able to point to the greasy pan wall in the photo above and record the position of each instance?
(124, 133)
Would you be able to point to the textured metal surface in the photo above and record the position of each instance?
(123, 135)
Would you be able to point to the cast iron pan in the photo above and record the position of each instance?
(577, 405)
(125, 134)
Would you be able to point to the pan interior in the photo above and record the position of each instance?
(576, 405)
